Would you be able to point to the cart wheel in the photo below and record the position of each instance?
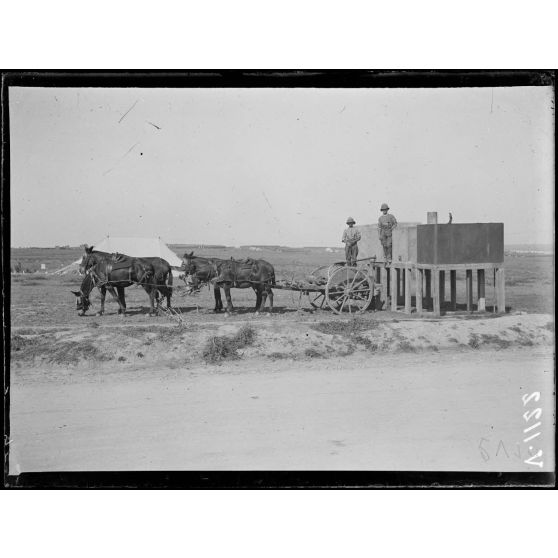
(349, 290)
(317, 300)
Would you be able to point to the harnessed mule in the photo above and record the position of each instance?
(257, 274)
(117, 271)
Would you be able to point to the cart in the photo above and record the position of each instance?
(344, 289)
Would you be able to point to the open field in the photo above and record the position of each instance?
(300, 389)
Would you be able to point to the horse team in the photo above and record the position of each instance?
(115, 272)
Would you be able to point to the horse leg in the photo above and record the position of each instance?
(152, 292)
(263, 297)
(218, 299)
(227, 288)
(270, 295)
(121, 300)
(167, 281)
(116, 295)
(103, 291)
(258, 292)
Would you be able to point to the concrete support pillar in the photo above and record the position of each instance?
(418, 281)
(407, 283)
(394, 288)
(436, 292)
(500, 290)
(453, 289)
(442, 287)
(481, 296)
(384, 280)
(428, 287)
(469, 289)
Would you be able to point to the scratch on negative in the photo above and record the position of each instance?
(122, 117)
(272, 212)
(119, 160)
(154, 125)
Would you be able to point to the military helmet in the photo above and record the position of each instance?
(350, 220)
(384, 206)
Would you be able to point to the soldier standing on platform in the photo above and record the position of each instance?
(386, 224)
(351, 237)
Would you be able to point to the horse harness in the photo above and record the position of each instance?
(119, 263)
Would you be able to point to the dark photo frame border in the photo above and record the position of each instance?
(228, 79)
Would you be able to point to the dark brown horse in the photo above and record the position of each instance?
(116, 271)
(257, 274)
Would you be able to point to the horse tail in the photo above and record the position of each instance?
(270, 273)
(169, 279)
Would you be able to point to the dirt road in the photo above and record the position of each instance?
(410, 412)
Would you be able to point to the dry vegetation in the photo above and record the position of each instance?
(227, 347)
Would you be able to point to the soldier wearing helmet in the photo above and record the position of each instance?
(386, 223)
(351, 237)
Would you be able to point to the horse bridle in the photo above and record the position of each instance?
(195, 273)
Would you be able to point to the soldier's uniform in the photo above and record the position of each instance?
(386, 224)
(350, 237)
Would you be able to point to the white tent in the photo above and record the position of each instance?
(132, 246)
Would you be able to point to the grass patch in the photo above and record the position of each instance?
(490, 339)
(312, 353)
(278, 356)
(348, 351)
(346, 329)
(136, 332)
(406, 347)
(525, 341)
(19, 343)
(366, 342)
(71, 352)
(225, 347)
(27, 331)
(169, 334)
(47, 349)
(474, 341)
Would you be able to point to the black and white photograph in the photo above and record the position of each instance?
(265, 273)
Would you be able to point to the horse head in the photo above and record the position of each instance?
(188, 263)
(82, 303)
(82, 296)
(87, 260)
(197, 270)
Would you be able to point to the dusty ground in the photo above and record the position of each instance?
(433, 411)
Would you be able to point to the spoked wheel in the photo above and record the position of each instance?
(317, 299)
(349, 290)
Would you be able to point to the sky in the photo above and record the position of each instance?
(275, 166)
